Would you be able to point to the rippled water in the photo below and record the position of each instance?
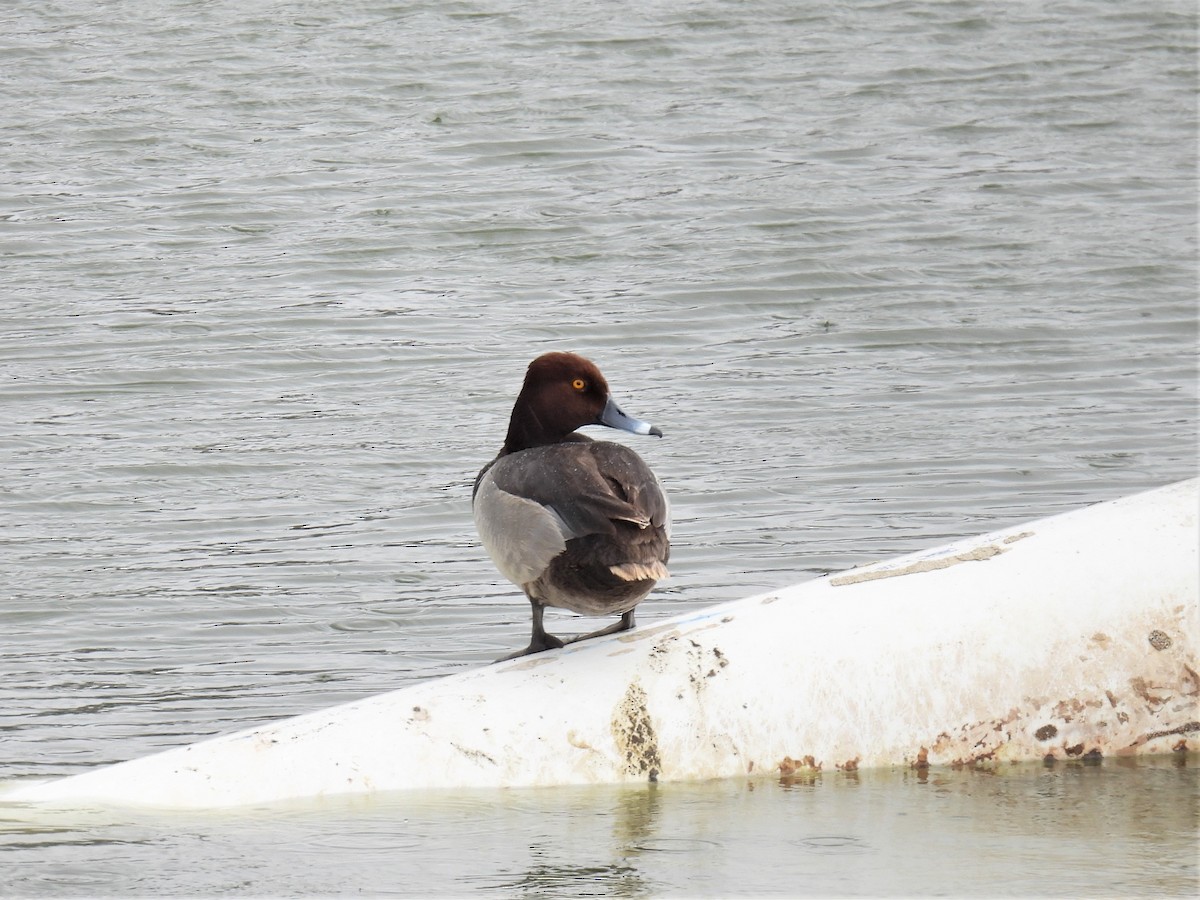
(885, 273)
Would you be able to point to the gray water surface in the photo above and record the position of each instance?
(885, 273)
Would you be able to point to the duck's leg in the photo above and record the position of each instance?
(623, 624)
(539, 640)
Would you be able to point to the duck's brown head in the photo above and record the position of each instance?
(562, 392)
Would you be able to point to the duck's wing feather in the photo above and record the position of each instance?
(528, 505)
(631, 484)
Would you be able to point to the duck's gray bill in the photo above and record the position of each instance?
(614, 418)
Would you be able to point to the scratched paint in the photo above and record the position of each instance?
(938, 560)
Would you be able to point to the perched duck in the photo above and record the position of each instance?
(576, 523)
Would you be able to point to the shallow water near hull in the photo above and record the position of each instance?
(1110, 829)
(885, 274)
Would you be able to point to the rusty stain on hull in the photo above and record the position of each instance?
(1159, 640)
(789, 766)
(633, 732)
(1085, 726)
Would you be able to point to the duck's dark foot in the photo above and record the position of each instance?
(539, 640)
(623, 624)
(537, 645)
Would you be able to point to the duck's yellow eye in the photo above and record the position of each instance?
(579, 384)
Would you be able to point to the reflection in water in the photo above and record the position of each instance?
(634, 827)
(637, 834)
(636, 817)
(548, 879)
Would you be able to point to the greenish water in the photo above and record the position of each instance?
(1114, 829)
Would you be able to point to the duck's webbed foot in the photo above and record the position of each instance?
(548, 642)
(625, 623)
(539, 640)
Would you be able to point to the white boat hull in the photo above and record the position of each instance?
(1071, 637)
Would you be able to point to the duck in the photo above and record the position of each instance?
(578, 524)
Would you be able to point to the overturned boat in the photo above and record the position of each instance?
(1071, 637)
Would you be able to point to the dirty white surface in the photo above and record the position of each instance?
(1068, 637)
